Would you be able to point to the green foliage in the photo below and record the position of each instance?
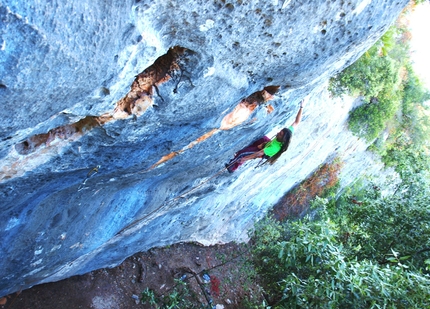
(368, 76)
(385, 78)
(369, 120)
(368, 249)
(376, 226)
(149, 297)
(413, 91)
(388, 41)
(178, 298)
(322, 276)
(376, 78)
(414, 121)
(411, 161)
(408, 142)
(251, 304)
(267, 236)
(311, 268)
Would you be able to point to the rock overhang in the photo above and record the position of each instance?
(53, 229)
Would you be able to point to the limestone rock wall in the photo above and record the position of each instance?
(97, 164)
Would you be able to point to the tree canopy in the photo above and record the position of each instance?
(385, 78)
(370, 246)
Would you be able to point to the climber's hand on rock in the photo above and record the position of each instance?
(304, 101)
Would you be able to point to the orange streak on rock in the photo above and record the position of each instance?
(105, 118)
(201, 139)
(244, 109)
(38, 148)
(139, 98)
(69, 132)
(189, 146)
(269, 109)
(240, 113)
(136, 102)
(166, 158)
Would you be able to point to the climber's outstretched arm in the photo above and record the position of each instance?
(299, 114)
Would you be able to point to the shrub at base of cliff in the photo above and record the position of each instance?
(365, 250)
(307, 266)
(404, 106)
(179, 297)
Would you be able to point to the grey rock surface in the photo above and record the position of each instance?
(88, 199)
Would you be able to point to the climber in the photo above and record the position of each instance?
(266, 148)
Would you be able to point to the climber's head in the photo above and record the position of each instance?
(283, 136)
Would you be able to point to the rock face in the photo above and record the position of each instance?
(111, 136)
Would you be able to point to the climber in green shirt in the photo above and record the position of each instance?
(266, 148)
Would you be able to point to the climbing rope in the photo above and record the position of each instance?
(166, 203)
(182, 195)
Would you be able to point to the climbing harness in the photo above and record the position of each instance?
(261, 162)
(244, 154)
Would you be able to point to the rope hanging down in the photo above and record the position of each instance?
(172, 200)
(95, 170)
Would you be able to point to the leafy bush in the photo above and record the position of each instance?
(265, 248)
(376, 78)
(323, 276)
(368, 76)
(367, 250)
(414, 120)
(178, 298)
(369, 120)
(309, 267)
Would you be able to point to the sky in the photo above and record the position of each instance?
(420, 27)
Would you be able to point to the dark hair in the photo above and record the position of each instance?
(285, 143)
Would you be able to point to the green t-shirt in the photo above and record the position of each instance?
(274, 146)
